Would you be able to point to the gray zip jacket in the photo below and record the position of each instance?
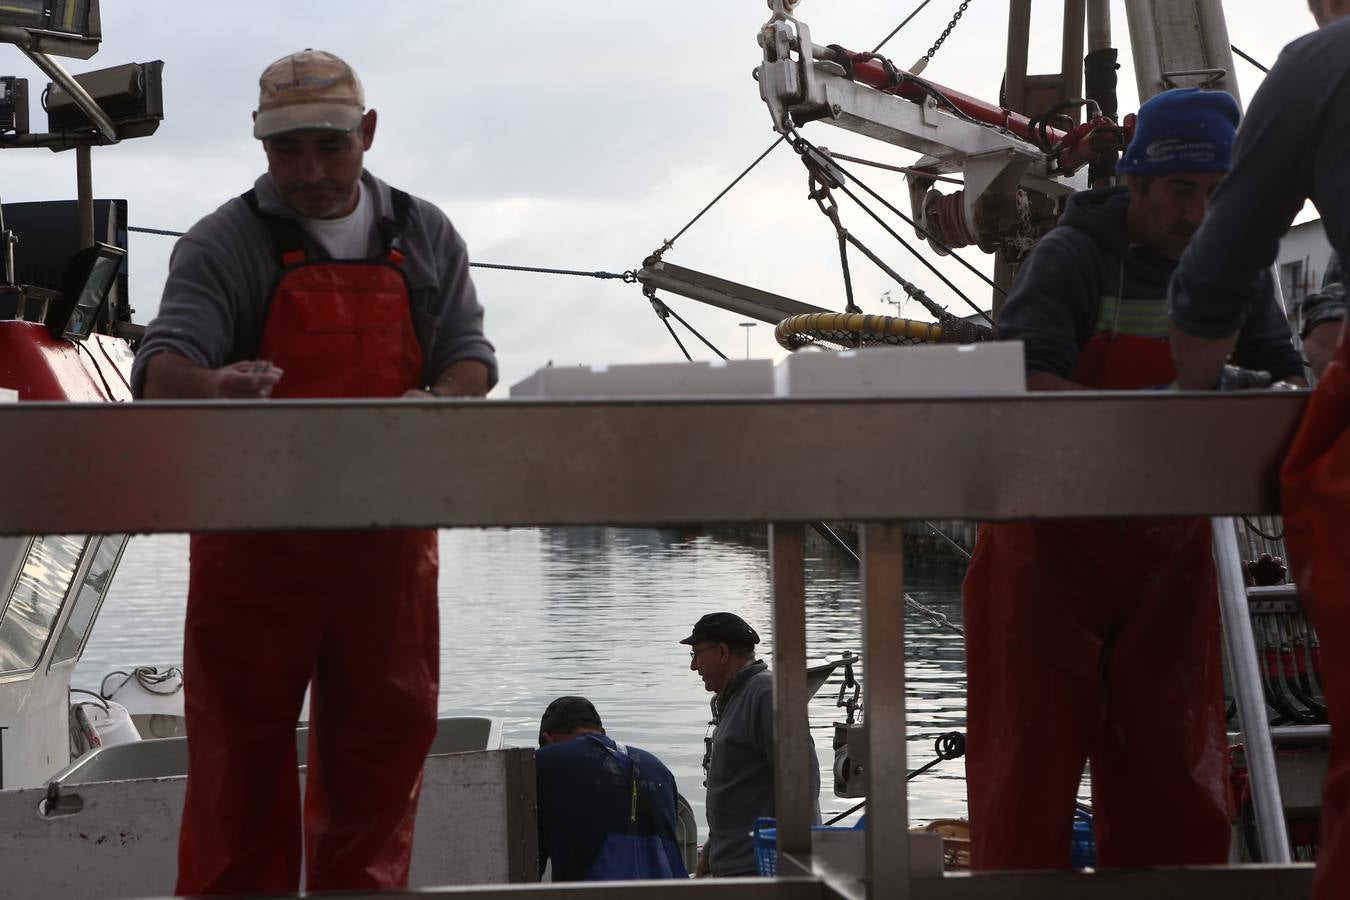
(740, 774)
(223, 272)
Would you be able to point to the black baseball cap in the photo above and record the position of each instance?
(723, 628)
(567, 713)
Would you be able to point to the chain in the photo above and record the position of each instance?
(933, 616)
(950, 25)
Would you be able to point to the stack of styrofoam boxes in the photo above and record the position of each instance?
(719, 378)
(928, 370)
(938, 370)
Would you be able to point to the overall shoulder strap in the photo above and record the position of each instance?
(392, 227)
(287, 236)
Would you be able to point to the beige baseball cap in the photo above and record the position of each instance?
(308, 89)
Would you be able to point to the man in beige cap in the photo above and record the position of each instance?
(321, 281)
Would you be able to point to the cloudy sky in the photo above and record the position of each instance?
(573, 135)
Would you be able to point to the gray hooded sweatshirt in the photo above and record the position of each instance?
(1069, 290)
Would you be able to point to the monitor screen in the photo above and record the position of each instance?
(91, 293)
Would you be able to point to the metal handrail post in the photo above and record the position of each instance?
(1271, 831)
(883, 584)
(792, 774)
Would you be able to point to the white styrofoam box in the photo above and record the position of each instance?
(686, 379)
(928, 370)
(8, 395)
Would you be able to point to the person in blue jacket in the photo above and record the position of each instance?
(607, 811)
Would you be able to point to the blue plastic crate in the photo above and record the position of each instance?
(1084, 852)
(765, 834)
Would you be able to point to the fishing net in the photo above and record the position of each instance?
(850, 330)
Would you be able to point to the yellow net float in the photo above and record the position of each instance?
(854, 330)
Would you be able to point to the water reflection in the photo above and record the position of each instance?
(531, 614)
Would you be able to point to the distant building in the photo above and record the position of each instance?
(1302, 263)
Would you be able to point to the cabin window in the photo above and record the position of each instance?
(36, 601)
(90, 597)
(1292, 282)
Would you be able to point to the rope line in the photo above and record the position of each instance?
(904, 170)
(1259, 533)
(670, 242)
(948, 746)
(629, 277)
(161, 231)
(887, 38)
(937, 532)
(1248, 58)
(924, 231)
(934, 617)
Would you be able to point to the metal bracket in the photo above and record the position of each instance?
(1212, 77)
(57, 805)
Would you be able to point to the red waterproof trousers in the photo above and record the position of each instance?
(1316, 498)
(1096, 639)
(353, 613)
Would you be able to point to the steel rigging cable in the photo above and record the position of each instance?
(669, 242)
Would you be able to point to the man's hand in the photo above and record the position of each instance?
(171, 376)
(247, 380)
(1320, 345)
(1199, 360)
(702, 869)
(466, 378)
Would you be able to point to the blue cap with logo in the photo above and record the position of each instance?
(1183, 130)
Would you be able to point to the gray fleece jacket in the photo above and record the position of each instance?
(740, 773)
(222, 274)
(1085, 277)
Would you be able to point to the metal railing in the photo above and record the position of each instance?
(178, 467)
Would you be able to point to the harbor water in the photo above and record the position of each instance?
(531, 614)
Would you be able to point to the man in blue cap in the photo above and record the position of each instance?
(741, 758)
(1098, 639)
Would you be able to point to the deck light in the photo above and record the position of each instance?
(13, 105)
(59, 27)
(131, 95)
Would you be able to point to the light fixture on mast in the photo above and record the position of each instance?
(59, 27)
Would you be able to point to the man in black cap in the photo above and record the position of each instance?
(741, 758)
(606, 810)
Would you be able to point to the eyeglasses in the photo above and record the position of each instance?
(693, 654)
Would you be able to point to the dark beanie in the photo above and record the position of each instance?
(1183, 130)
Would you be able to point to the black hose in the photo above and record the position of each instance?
(1099, 79)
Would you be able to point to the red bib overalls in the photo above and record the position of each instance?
(1316, 501)
(355, 612)
(1096, 639)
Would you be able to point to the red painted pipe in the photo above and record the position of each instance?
(873, 74)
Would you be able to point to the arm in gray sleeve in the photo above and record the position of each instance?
(198, 313)
(764, 734)
(1219, 278)
(1266, 341)
(459, 331)
(1052, 303)
(1326, 305)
